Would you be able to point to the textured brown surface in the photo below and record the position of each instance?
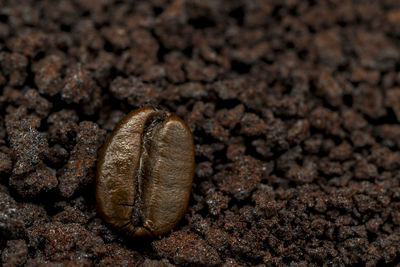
(294, 107)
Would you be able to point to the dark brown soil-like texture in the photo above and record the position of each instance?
(294, 106)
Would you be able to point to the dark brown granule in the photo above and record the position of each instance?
(14, 67)
(121, 256)
(15, 254)
(63, 128)
(28, 145)
(243, 178)
(42, 180)
(48, 74)
(216, 201)
(5, 163)
(79, 169)
(156, 263)
(11, 222)
(78, 85)
(185, 247)
(134, 91)
(58, 238)
(28, 41)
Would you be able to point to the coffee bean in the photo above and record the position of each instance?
(145, 173)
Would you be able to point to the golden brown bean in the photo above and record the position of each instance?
(145, 173)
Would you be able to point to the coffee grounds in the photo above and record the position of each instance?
(294, 107)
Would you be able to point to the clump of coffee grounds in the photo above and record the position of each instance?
(294, 107)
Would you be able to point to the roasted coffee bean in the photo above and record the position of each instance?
(145, 173)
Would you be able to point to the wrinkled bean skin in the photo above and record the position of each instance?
(145, 173)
